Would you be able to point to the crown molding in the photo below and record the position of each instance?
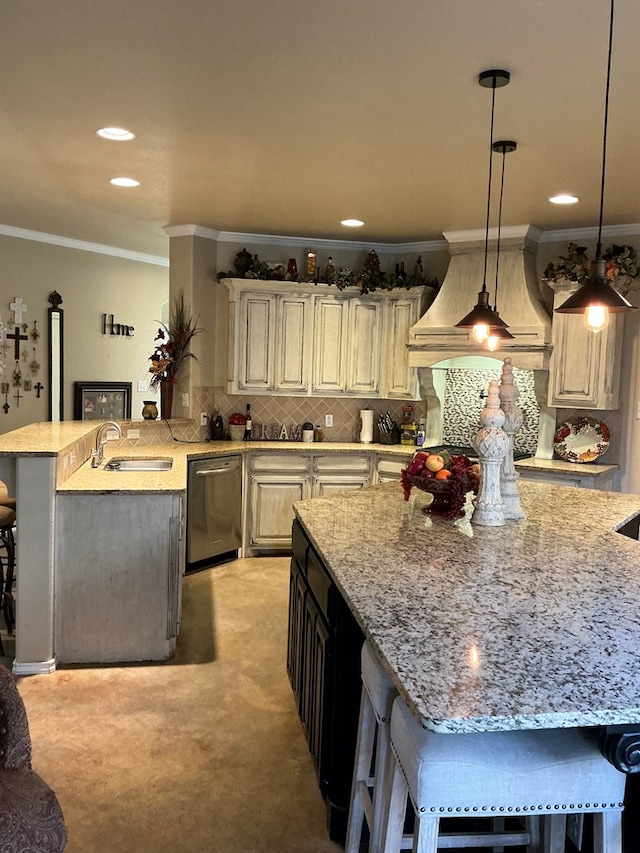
(191, 231)
(82, 245)
(513, 232)
(247, 238)
(573, 234)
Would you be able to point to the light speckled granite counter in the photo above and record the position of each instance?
(532, 625)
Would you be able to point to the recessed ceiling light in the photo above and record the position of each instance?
(352, 223)
(564, 198)
(124, 182)
(118, 134)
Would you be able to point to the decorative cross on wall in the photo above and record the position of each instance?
(39, 387)
(6, 406)
(17, 337)
(19, 308)
(17, 397)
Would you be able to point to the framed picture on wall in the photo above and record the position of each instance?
(101, 401)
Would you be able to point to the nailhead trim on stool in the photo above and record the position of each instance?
(498, 772)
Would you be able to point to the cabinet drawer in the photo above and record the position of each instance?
(343, 462)
(280, 462)
(320, 583)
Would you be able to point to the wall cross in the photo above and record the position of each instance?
(39, 387)
(17, 337)
(17, 397)
(19, 308)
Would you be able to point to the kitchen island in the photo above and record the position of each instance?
(533, 625)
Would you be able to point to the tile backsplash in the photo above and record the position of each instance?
(464, 400)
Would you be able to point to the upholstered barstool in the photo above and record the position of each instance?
(552, 772)
(370, 792)
(373, 753)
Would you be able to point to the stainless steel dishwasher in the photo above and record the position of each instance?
(214, 509)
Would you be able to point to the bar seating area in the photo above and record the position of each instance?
(538, 776)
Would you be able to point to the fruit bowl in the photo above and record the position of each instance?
(442, 491)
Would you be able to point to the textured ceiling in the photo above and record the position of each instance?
(285, 117)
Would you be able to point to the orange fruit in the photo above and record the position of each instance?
(442, 474)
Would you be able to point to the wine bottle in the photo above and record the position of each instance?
(247, 424)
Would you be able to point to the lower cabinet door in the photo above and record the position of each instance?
(295, 637)
(316, 649)
(272, 500)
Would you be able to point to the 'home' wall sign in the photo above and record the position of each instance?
(118, 330)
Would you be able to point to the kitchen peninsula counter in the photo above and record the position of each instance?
(531, 625)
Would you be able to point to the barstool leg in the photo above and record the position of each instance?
(361, 771)
(397, 788)
(607, 832)
(426, 834)
(384, 757)
(553, 833)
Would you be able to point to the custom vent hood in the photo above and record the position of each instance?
(434, 337)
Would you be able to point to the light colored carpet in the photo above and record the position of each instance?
(203, 753)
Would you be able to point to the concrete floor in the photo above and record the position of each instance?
(202, 753)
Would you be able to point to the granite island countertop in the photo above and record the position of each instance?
(532, 625)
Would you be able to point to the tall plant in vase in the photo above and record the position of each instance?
(172, 349)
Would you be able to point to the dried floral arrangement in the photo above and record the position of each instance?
(369, 279)
(174, 339)
(621, 268)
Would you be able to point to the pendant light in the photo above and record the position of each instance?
(482, 318)
(596, 298)
(499, 333)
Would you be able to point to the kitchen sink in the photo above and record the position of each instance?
(138, 463)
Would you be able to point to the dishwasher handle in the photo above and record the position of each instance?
(208, 472)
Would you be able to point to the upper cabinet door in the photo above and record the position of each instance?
(401, 380)
(329, 356)
(255, 331)
(363, 347)
(584, 372)
(291, 367)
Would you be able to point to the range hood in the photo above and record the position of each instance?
(435, 338)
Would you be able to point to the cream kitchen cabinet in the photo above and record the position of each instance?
(275, 483)
(336, 472)
(347, 337)
(277, 480)
(118, 577)
(585, 367)
(303, 339)
(400, 380)
(268, 346)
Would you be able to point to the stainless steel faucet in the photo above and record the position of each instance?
(97, 454)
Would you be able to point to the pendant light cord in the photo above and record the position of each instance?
(486, 239)
(495, 295)
(604, 134)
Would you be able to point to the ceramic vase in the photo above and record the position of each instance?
(166, 400)
(149, 410)
(509, 393)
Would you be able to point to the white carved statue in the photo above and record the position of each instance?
(491, 443)
(509, 477)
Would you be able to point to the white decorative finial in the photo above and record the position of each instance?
(491, 442)
(513, 421)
